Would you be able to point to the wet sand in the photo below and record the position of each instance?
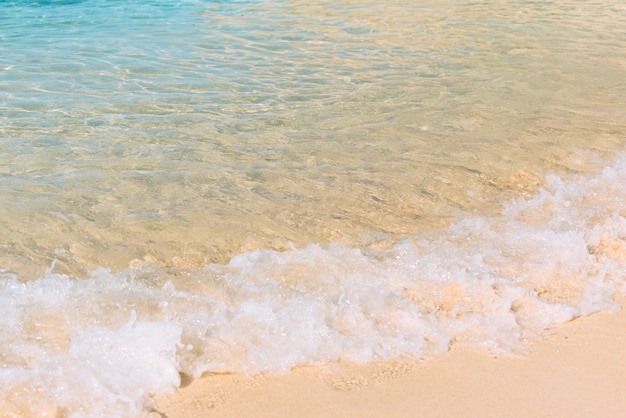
(577, 371)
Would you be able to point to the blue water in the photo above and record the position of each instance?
(196, 186)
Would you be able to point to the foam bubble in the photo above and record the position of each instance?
(58, 362)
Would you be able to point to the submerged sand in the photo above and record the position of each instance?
(577, 371)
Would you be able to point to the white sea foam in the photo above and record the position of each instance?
(101, 346)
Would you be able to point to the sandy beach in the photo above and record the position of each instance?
(312, 209)
(577, 371)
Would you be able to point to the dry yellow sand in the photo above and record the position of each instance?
(578, 371)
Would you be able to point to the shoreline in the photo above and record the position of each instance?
(577, 371)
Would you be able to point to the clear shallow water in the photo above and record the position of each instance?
(194, 187)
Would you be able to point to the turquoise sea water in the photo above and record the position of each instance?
(198, 186)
